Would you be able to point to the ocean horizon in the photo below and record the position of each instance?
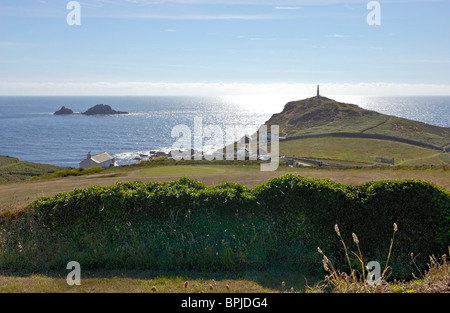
(30, 131)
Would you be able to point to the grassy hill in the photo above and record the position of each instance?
(13, 170)
(359, 151)
(324, 129)
(322, 116)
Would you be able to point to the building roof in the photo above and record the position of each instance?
(101, 157)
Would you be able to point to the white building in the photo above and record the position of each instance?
(101, 159)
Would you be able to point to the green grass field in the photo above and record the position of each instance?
(186, 170)
(15, 196)
(14, 170)
(358, 150)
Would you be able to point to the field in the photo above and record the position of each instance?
(362, 151)
(15, 196)
(185, 170)
(14, 170)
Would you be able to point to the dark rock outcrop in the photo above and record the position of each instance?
(102, 109)
(99, 109)
(63, 111)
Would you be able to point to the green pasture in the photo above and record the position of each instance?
(360, 150)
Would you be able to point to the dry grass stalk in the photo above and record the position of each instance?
(342, 282)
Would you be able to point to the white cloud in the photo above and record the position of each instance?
(336, 36)
(288, 8)
(206, 17)
(276, 89)
(262, 39)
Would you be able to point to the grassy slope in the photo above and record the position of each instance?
(341, 150)
(13, 170)
(313, 116)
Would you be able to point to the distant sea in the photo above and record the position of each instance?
(30, 131)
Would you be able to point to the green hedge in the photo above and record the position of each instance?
(282, 221)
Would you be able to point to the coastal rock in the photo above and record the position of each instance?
(102, 109)
(63, 111)
(99, 109)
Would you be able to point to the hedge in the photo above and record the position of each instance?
(297, 211)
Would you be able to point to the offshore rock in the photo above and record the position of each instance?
(63, 111)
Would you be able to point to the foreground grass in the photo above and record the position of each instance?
(435, 280)
(269, 281)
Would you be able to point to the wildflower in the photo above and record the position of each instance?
(395, 227)
(320, 251)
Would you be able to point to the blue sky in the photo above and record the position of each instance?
(202, 47)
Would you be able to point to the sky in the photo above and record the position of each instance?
(235, 47)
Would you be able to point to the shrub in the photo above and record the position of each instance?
(72, 172)
(184, 224)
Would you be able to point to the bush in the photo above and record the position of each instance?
(184, 224)
(420, 209)
(72, 172)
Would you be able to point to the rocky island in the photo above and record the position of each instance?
(63, 111)
(102, 109)
(99, 109)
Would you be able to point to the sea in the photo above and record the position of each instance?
(31, 132)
